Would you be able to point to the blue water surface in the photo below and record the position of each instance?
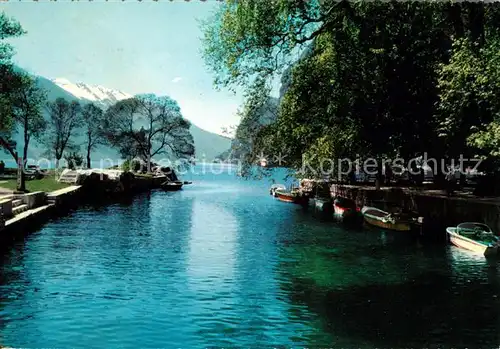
(223, 264)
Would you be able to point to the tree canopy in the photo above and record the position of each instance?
(381, 79)
(147, 126)
(64, 121)
(10, 81)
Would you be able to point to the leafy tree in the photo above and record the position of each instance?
(370, 78)
(258, 111)
(162, 130)
(93, 122)
(64, 121)
(250, 38)
(28, 103)
(74, 160)
(469, 88)
(10, 81)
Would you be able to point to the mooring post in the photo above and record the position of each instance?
(421, 224)
(2, 218)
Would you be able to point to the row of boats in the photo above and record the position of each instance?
(471, 236)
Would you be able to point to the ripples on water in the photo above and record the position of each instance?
(223, 264)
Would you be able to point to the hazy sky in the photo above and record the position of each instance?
(130, 46)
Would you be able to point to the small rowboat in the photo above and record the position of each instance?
(293, 196)
(344, 209)
(475, 237)
(385, 220)
(172, 186)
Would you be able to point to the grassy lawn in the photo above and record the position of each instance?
(46, 184)
(144, 175)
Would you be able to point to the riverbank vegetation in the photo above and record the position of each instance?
(380, 79)
(142, 126)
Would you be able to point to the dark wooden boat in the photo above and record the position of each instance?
(385, 220)
(293, 196)
(322, 205)
(172, 186)
(345, 209)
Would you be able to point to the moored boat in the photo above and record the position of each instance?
(385, 220)
(475, 237)
(345, 209)
(293, 196)
(274, 187)
(172, 186)
(321, 205)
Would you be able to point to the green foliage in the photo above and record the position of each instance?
(126, 165)
(64, 121)
(469, 88)
(131, 165)
(163, 130)
(487, 140)
(381, 78)
(9, 28)
(93, 119)
(74, 160)
(27, 106)
(249, 38)
(10, 81)
(258, 111)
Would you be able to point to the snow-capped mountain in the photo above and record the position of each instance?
(93, 93)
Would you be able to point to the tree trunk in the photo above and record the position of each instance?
(25, 150)
(88, 157)
(379, 177)
(455, 16)
(476, 22)
(149, 156)
(5, 144)
(26, 140)
(21, 182)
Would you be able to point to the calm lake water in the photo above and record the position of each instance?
(223, 264)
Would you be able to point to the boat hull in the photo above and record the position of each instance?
(172, 186)
(322, 206)
(291, 198)
(375, 217)
(469, 244)
(400, 226)
(345, 214)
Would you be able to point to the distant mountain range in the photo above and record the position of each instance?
(207, 144)
(94, 93)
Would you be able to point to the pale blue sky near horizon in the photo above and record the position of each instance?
(135, 47)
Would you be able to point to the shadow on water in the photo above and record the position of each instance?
(429, 310)
(391, 296)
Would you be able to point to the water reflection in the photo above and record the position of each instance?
(223, 264)
(411, 297)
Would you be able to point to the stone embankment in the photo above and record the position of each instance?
(24, 212)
